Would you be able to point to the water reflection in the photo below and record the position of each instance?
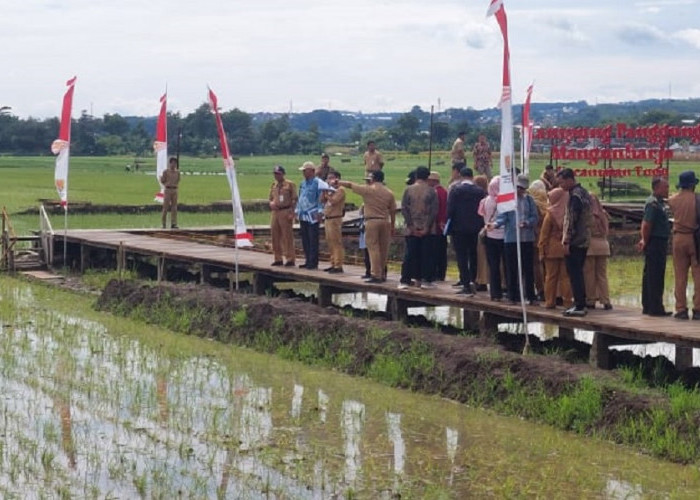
(128, 421)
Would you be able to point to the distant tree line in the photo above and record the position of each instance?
(308, 133)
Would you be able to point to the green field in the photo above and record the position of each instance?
(24, 181)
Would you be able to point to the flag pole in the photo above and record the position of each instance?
(65, 237)
(430, 140)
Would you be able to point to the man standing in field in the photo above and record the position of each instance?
(685, 254)
(170, 179)
(309, 211)
(380, 221)
(283, 199)
(482, 156)
(654, 243)
(324, 168)
(372, 158)
(333, 211)
(576, 237)
(457, 153)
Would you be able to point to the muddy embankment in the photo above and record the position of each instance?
(475, 370)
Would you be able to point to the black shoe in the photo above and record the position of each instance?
(573, 311)
(458, 284)
(289, 264)
(465, 291)
(312, 268)
(328, 268)
(374, 280)
(276, 263)
(174, 226)
(607, 307)
(365, 276)
(481, 288)
(335, 270)
(303, 265)
(681, 315)
(660, 314)
(696, 315)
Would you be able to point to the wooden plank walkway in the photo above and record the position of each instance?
(621, 325)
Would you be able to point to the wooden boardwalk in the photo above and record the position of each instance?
(622, 325)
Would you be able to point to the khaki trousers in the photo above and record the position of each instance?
(377, 237)
(556, 283)
(684, 259)
(169, 205)
(282, 234)
(334, 238)
(595, 273)
(482, 265)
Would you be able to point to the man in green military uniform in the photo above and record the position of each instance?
(654, 243)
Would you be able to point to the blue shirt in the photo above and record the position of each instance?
(309, 203)
(527, 213)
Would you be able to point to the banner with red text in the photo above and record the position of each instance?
(61, 146)
(243, 237)
(160, 146)
(506, 194)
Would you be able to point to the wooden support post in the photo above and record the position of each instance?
(684, 357)
(566, 333)
(488, 323)
(205, 274)
(262, 283)
(325, 295)
(600, 354)
(161, 268)
(396, 308)
(471, 320)
(84, 257)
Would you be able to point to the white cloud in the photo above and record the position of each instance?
(690, 36)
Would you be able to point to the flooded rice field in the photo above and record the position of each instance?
(95, 406)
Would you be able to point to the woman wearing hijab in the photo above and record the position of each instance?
(551, 250)
(538, 191)
(494, 239)
(595, 269)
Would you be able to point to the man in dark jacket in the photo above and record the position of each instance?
(464, 226)
(577, 237)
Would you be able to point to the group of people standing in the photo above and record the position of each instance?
(684, 234)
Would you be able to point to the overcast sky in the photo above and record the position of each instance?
(359, 55)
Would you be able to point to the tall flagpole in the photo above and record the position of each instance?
(61, 148)
(507, 198)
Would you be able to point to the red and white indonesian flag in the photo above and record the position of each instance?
(506, 194)
(243, 237)
(61, 146)
(527, 127)
(160, 146)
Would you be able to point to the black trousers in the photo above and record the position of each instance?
(418, 261)
(440, 249)
(465, 251)
(494, 256)
(309, 242)
(510, 253)
(574, 266)
(653, 276)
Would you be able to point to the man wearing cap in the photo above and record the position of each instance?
(283, 199)
(380, 221)
(373, 159)
(170, 179)
(309, 211)
(685, 255)
(419, 207)
(655, 231)
(457, 153)
(324, 168)
(333, 212)
(482, 156)
(576, 237)
(464, 226)
(440, 240)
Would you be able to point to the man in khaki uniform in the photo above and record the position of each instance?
(283, 199)
(684, 252)
(170, 179)
(334, 210)
(373, 159)
(324, 168)
(380, 221)
(457, 153)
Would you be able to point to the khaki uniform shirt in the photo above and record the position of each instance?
(170, 179)
(284, 194)
(373, 161)
(335, 203)
(379, 200)
(457, 153)
(683, 207)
